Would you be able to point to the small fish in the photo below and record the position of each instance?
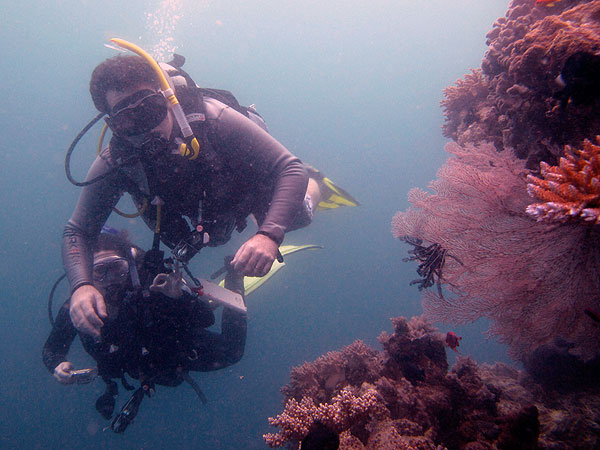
(547, 3)
(452, 340)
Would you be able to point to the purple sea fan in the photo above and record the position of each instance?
(533, 280)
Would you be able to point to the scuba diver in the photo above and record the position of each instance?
(154, 332)
(197, 165)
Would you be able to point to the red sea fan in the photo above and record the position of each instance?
(533, 280)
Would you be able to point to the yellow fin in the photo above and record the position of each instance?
(253, 283)
(337, 196)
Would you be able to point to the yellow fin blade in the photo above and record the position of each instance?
(251, 284)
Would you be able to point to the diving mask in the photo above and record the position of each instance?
(110, 270)
(138, 114)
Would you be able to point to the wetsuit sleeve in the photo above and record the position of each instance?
(93, 208)
(58, 343)
(261, 159)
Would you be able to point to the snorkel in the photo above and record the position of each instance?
(190, 148)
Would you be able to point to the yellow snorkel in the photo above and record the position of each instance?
(190, 148)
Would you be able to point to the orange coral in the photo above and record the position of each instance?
(570, 190)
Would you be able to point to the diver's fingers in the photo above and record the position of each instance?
(86, 304)
(240, 260)
(157, 287)
(92, 323)
(159, 282)
(62, 373)
(100, 306)
(255, 257)
(161, 278)
(254, 265)
(263, 267)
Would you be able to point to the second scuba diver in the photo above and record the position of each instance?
(154, 332)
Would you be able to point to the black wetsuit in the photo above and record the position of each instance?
(241, 170)
(153, 339)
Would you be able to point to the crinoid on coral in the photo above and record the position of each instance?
(466, 407)
(571, 190)
(432, 259)
(533, 280)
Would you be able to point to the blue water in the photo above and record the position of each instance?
(351, 87)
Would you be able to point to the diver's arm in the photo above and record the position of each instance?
(59, 341)
(91, 212)
(93, 208)
(261, 159)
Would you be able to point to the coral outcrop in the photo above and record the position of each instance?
(511, 101)
(407, 398)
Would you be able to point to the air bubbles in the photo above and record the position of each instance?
(161, 24)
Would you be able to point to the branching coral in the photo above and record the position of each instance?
(344, 411)
(570, 190)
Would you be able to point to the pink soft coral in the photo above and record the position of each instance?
(533, 280)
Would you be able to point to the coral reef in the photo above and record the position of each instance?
(570, 190)
(408, 399)
(534, 280)
(511, 101)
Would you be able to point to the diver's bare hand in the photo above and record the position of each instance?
(87, 310)
(255, 257)
(62, 373)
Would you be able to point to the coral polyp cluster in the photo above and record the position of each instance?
(570, 190)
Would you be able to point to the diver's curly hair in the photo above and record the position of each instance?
(119, 73)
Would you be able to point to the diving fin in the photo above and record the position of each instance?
(253, 283)
(332, 196)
